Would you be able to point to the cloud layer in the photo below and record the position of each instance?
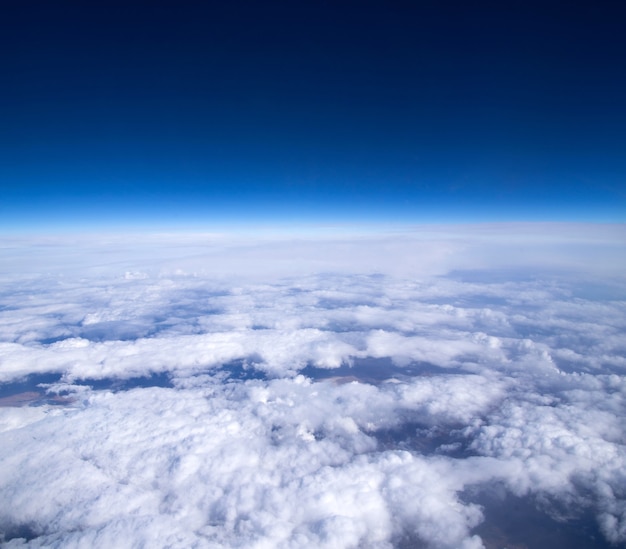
(387, 402)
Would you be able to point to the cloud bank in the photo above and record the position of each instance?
(396, 390)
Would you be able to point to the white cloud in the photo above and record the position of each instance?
(512, 374)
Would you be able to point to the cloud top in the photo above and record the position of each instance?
(389, 393)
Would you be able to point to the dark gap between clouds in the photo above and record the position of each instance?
(31, 390)
(526, 522)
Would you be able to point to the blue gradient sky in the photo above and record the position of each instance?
(170, 114)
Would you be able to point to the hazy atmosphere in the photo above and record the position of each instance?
(312, 275)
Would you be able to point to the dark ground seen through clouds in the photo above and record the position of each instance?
(510, 521)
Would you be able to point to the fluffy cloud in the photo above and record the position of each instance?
(377, 395)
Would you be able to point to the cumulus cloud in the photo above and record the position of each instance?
(362, 391)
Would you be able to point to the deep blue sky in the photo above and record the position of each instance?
(181, 114)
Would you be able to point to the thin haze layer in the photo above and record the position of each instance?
(430, 388)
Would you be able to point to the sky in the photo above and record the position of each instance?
(312, 274)
(193, 115)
